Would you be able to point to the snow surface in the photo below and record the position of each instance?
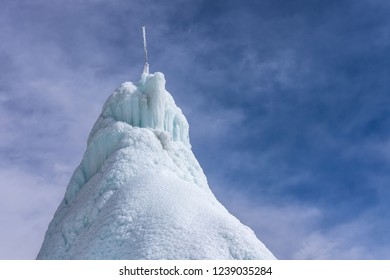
(139, 192)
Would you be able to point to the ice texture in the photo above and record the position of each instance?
(140, 193)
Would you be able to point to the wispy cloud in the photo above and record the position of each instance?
(287, 102)
(28, 202)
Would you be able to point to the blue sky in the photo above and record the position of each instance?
(288, 104)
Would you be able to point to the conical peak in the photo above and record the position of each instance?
(140, 193)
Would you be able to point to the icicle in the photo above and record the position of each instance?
(146, 66)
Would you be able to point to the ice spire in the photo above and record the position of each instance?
(146, 66)
(140, 193)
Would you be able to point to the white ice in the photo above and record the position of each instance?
(140, 193)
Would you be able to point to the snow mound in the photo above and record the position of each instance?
(140, 193)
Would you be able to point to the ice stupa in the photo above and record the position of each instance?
(140, 193)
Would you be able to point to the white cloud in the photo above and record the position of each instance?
(344, 241)
(282, 228)
(296, 231)
(27, 204)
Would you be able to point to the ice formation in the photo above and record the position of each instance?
(139, 192)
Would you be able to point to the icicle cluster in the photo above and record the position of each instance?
(146, 104)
